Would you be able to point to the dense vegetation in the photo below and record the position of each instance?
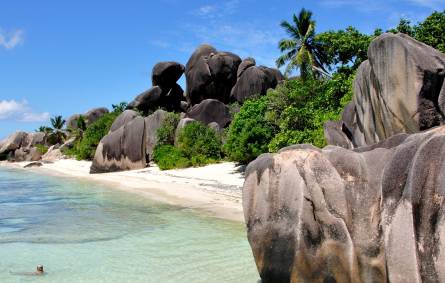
(87, 140)
(293, 113)
(196, 145)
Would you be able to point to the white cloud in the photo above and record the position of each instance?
(9, 108)
(20, 111)
(35, 117)
(11, 39)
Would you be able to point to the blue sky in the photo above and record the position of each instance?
(59, 57)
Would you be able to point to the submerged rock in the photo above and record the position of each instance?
(375, 214)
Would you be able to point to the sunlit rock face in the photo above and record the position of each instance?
(400, 89)
(374, 214)
(131, 145)
(210, 74)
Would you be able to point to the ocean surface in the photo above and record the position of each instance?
(84, 232)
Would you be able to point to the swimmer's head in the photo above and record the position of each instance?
(39, 268)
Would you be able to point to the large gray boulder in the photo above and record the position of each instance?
(254, 81)
(94, 114)
(71, 122)
(13, 142)
(130, 146)
(338, 215)
(210, 74)
(210, 110)
(169, 99)
(166, 74)
(123, 149)
(123, 118)
(400, 89)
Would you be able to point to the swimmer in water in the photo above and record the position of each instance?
(39, 271)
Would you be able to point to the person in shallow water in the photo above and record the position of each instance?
(39, 271)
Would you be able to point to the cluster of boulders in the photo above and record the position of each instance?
(214, 79)
(369, 207)
(22, 146)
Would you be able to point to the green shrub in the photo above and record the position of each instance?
(169, 157)
(200, 144)
(42, 148)
(85, 147)
(250, 133)
(166, 133)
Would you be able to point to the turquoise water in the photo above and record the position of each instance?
(82, 232)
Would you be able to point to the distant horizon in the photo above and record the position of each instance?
(67, 58)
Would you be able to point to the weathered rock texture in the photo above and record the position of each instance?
(130, 146)
(400, 89)
(210, 74)
(254, 81)
(375, 214)
(21, 146)
(210, 110)
(165, 93)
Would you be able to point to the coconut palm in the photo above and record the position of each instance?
(301, 51)
(58, 136)
(57, 122)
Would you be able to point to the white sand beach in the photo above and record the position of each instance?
(215, 189)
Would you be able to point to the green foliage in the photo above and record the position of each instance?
(42, 148)
(298, 110)
(301, 51)
(346, 49)
(120, 107)
(250, 133)
(199, 143)
(86, 147)
(166, 133)
(57, 122)
(81, 123)
(432, 30)
(169, 157)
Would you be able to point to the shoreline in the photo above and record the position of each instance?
(215, 189)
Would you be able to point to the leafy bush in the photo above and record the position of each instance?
(250, 133)
(85, 147)
(298, 109)
(169, 157)
(166, 133)
(42, 148)
(199, 143)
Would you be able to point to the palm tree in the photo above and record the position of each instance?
(58, 135)
(57, 122)
(301, 50)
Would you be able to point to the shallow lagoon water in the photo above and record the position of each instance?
(83, 232)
